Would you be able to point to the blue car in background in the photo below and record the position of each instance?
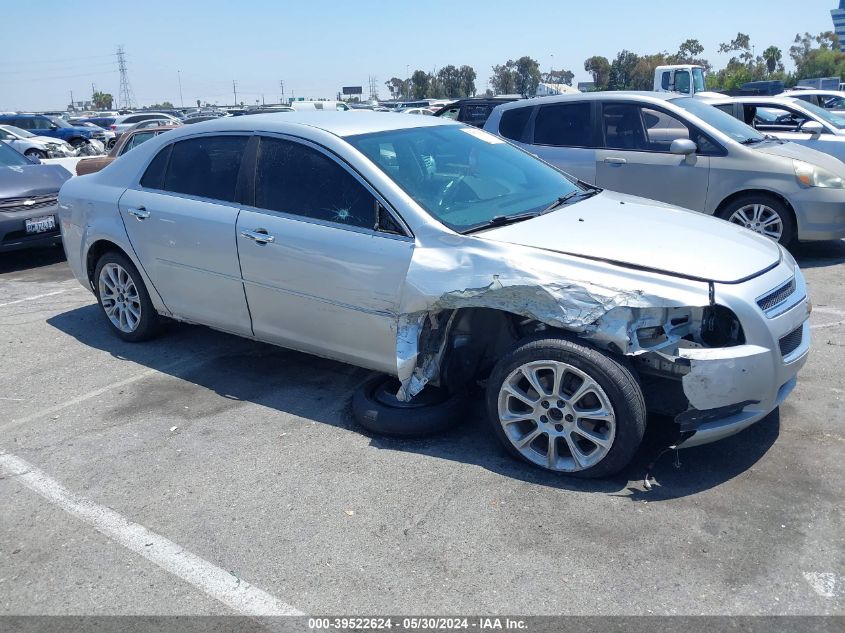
(44, 125)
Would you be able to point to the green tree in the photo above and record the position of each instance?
(773, 55)
(164, 105)
(450, 79)
(621, 71)
(642, 74)
(559, 77)
(503, 79)
(689, 53)
(817, 56)
(420, 84)
(102, 100)
(397, 87)
(467, 78)
(599, 68)
(527, 76)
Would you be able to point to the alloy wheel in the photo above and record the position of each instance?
(760, 218)
(557, 416)
(119, 297)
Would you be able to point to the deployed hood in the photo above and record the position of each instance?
(802, 152)
(31, 180)
(645, 234)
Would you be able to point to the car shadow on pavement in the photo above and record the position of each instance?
(15, 261)
(819, 254)
(320, 390)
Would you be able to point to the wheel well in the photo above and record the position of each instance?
(759, 192)
(97, 250)
(478, 337)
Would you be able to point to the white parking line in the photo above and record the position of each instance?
(34, 298)
(824, 325)
(218, 583)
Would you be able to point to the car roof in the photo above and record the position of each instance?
(609, 95)
(337, 123)
(831, 93)
(778, 100)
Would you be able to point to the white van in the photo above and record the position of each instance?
(319, 105)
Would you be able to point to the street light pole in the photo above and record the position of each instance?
(181, 100)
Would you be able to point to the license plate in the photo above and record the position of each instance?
(41, 225)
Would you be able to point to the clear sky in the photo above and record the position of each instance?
(53, 47)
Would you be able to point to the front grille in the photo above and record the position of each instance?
(791, 341)
(28, 204)
(776, 296)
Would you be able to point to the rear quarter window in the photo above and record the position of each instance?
(513, 123)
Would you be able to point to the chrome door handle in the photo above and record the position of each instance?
(615, 161)
(140, 212)
(259, 235)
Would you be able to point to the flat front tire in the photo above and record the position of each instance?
(124, 299)
(566, 407)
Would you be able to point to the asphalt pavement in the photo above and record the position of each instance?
(201, 472)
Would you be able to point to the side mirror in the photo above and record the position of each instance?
(683, 147)
(53, 126)
(811, 127)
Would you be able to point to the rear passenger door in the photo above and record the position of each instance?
(323, 259)
(181, 222)
(563, 135)
(635, 156)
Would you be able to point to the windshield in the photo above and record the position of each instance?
(18, 132)
(462, 176)
(722, 121)
(11, 158)
(833, 119)
(698, 80)
(59, 122)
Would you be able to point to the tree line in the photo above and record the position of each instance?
(813, 56)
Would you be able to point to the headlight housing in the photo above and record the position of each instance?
(814, 176)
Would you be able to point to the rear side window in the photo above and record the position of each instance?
(513, 123)
(206, 166)
(299, 180)
(564, 125)
(153, 178)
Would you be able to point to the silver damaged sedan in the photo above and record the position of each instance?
(444, 257)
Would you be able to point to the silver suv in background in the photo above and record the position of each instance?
(682, 151)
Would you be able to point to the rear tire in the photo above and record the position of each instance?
(433, 410)
(566, 407)
(763, 214)
(124, 299)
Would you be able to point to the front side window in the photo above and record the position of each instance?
(297, 179)
(462, 176)
(773, 119)
(637, 128)
(664, 80)
(698, 80)
(564, 125)
(207, 166)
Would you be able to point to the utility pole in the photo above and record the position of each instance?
(282, 86)
(235, 91)
(72, 106)
(181, 100)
